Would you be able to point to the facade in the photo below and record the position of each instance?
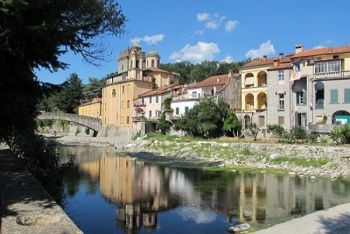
(225, 87)
(91, 109)
(254, 92)
(138, 73)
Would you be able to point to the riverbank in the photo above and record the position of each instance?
(296, 159)
(26, 207)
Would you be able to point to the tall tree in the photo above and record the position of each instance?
(93, 89)
(33, 34)
(71, 94)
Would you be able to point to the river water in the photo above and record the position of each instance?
(110, 193)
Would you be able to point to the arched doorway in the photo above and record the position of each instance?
(249, 101)
(262, 101)
(319, 95)
(262, 78)
(341, 117)
(247, 121)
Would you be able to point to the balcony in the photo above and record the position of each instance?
(330, 75)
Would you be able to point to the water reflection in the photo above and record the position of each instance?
(192, 199)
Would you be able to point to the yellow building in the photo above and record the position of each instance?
(91, 109)
(138, 73)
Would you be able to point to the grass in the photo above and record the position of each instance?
(299, 161)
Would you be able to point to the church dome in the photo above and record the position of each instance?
(152, 53)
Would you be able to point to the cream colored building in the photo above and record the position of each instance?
(91, 109)
(138, 73)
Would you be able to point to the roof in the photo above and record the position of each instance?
(259, 62)
(282, 63)
(160, 91)
(211, 81)
(156, 70)
(152, 53)
(322, 51)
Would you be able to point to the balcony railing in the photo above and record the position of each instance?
(330, 75)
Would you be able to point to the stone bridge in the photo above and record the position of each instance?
(94, 124)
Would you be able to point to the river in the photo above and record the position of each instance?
(105, 192)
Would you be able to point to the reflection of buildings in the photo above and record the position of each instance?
(141, 191)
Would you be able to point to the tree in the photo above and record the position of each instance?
(277, 130)
(93, 89)
(254, 130)
(205, 119)
(71, 94)
(33, 34)
(202, 71)
(164, 125)
(232, 125)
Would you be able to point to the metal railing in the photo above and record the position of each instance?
(331, 75)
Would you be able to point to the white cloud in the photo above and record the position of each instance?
(153, 39)
(265, 48)
(199, 32)
(318, 47)
(202, 16)
(196, 53)
(228, 59)
(199, 216)
(211, 21)
(231, 25)
(135, 40)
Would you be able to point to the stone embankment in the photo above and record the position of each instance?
(313, 160)
(25, 205)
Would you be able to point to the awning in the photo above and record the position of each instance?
(249, 81)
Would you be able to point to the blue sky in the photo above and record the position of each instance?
(199, 30)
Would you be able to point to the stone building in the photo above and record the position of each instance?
(91, 109)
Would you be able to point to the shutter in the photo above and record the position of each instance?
(346, 95)
(334, 96)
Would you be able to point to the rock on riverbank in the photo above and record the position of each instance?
(326, 161)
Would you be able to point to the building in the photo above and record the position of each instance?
(225, 87)
(310, 87)
(254, 92)
(91, 109)
(138, 73)
(151, 103)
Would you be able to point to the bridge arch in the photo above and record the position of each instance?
(94, 124)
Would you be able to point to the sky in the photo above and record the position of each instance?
(222, 30)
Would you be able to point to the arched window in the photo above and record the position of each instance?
(152, 62)
(319, 95)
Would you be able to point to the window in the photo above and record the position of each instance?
(127, 119)
(128, 104)
(346, 95)
(301, 98)
(281, 101)
(152, 62)
(281, 75)
(280, 120)
(261, 121)
(123, 89)
(194, 94)
(186, 109)
(177, 110)
(334, 96)
(319, 93)
(157, 99)
(142, 101)
(297, 67)
(323, 67)
(212, 92)
(150, 114)
(150, 99)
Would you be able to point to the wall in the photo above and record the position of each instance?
(91, 109)
(232, 94)
(181, 104)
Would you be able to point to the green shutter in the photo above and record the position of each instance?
(157, 99)
(186, 109)
(346, 95)
(334, 96)
(177, 110)
(150, 99)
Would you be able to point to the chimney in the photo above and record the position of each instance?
(276, 62)
(265, 57)
(299, 48)
(281, 55)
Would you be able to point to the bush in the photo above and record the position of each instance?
(276, 130)
(87, 131)
(164, 125)
(232, 125)
(254, 130)
(289, 137)
(341, 135)
(312, 137)
(299, 133)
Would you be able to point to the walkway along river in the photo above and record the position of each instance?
(116, 193)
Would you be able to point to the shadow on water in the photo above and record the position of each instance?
(117, 193)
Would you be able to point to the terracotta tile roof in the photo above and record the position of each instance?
(211, 81)
(259, 62)
(160, 91)
(322, 51)
(282, 63)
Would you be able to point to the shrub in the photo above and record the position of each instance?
(341, 135)
(312, 137)
(289, 137)
(276, 130)
(232, 125)
(164, 125)
(87, 131)
(254, 130)
(299, 133)
(136, 135)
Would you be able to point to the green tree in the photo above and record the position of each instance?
(254, 130)
(183, 68)
(164, 125)
(299, 133)
(202, 71)
(33, 34)
(205, 119)
(232, 125)
(276, 130)
(93, 89)
(71, 94)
